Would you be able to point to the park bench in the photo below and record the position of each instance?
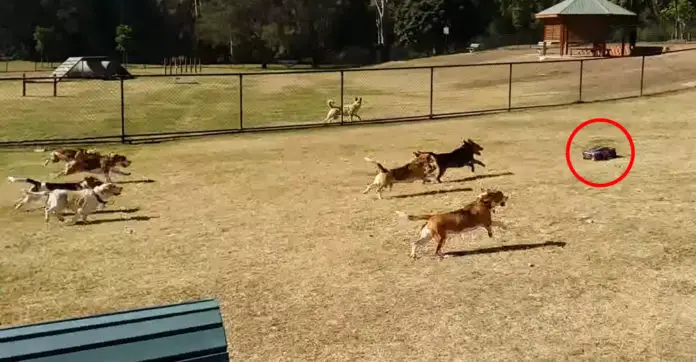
(288, 63)
(189, 332)
(584, 51)
(473, 47)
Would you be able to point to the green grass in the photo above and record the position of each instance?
(161, 104)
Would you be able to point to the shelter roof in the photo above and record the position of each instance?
(585, 7)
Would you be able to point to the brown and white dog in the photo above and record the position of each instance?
(67, 154)
(38, 186)
(422, 167)
(81, 202)
(475, 215)
(97, 164)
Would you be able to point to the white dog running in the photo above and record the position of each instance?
(82, 202)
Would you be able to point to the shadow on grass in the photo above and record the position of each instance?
(609, 159)
(106, 221)
(112, 211)
(143, 181)
(478, 177)
(433, 192)
(505, 248)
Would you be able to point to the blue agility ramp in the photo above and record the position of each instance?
(189, 332)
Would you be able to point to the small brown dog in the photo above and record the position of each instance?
(97, 164)
(422, 167)
(472, 216)
(68, 154)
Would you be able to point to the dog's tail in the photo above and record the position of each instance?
(404, 216)
(37, 193)
(379, 165)
(331, 104)
(35, 183)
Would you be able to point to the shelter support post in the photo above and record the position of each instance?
(432, 81)
(241, 101)
(123, 113)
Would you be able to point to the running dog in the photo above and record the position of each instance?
(420, 168)
(460, 157)
(81, 202)
(472, 216)
(68, 154)
(97, 164)
(38, 186)
(349, 110)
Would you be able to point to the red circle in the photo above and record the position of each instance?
(630, 142)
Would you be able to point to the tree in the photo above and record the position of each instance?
(242, 26)
(381, 7)
(124, 41)
(419, 23)
(45, 41)
(679, 13)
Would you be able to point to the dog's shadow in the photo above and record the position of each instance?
(111, 211)
(433, 192)
(143, 181)
(478, 177)
(106, 221)
(505, 248)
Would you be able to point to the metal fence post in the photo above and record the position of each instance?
(582, 62)
(241, 101)
(24, 84)
(510, 88)
(55, 86)
(432, 77)
(642, 74)
(342, 84)
(123, 113)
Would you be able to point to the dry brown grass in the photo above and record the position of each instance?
(307, 268)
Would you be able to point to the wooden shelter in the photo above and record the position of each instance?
(575, 22)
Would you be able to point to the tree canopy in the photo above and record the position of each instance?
(261, 30)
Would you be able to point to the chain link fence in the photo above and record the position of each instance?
(43, 110)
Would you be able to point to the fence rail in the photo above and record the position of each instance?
(45, 111)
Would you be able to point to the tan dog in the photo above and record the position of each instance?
(472, 216)
(349, 110)
(68, 154)
(82, 202)
(97, 164)
(423, 168)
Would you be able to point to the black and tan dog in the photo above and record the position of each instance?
(68, 154)
(422, 167)
(40, 186)
(97, 164)
(474, 215)
(460, 157)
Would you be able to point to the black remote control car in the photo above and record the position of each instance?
(599, 153)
